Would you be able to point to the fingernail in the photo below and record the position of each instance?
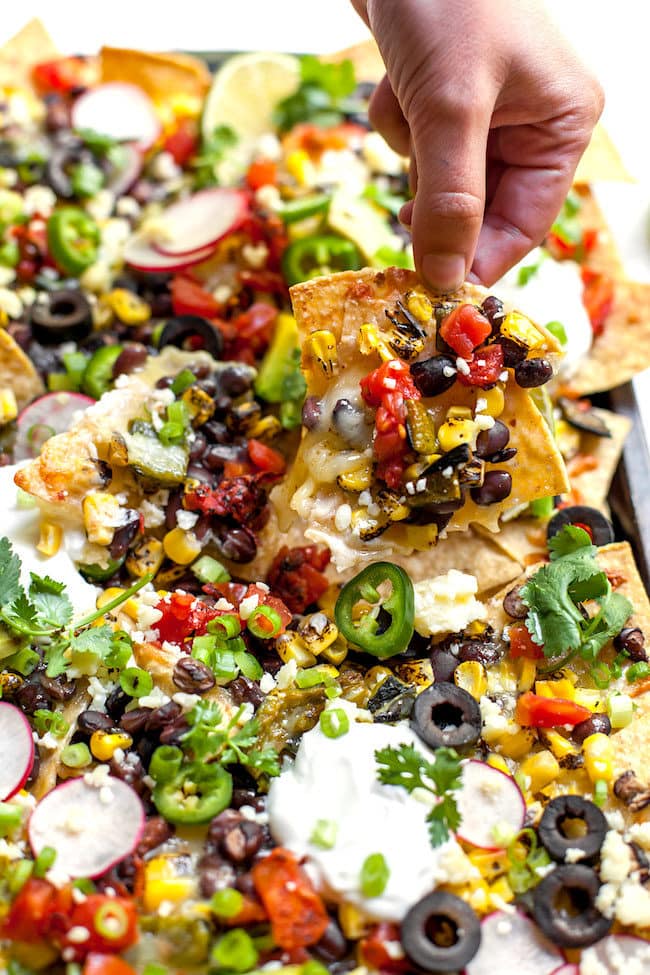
(444, 272)
(405, 216)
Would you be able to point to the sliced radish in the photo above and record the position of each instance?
(119, 110)
(488, 801)
(123, 178)
(141, 255)
(617, 954)
(202, 220)
(567, 969)
(510, 942)
(16, 750)
(47, 415)
(91, 827)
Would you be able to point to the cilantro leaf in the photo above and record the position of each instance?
(443, 818)
(21, 615)
(52, 605)
(10, 588)
(336, 80)
(321, 95)
(46, 584)
(568, 540)
(58, 658)
(613, 616)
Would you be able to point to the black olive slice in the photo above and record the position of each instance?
(178, 330)
(575, 413)
(564, 905)
(557, 815)
(441, 933)
(446, 715)
(601, 529)
(63, 316)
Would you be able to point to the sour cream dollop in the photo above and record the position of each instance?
(335, 780)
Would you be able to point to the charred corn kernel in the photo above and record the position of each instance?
(320, 351)
(477, 628)
(490, 863)
(354, 922)
(498, 762)
(290, 646)
(555, 688)
(455, 432)
(200, 405)
(299, 165)
(104, 744)
(418, 673)
(512, 744)
(501, 891)
(420, 427)
(327, 601)
(357, 480)
(171, 577)
(10, 682)
(592, 699)
(107, 595)
(101, 515)
(164, 882)
(419, 306)
(318, 632)
(370, 340)
(50, 537)
(598, 755)
(421, 537)
(521, 330)
(8, 405)
(494, 399)
(336, 653)
(181, 546)
(127, 306)
(539, 769)
(146, 557)
(376, 676)
(560, 746)
(416, 470)
(459, 413)
(471, 676)
(527, 673)
(266, 429)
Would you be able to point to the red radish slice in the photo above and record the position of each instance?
(510, 942)
(617, 954)
(141, 255)
(119, 110)
(16, 750)
(91, 827)
(123, 178)
(47, 415)
(567, 969)
(488, 800)
(202, 220)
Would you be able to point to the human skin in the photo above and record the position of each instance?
(494, 109)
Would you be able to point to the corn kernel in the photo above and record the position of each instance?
(459, 413)
(521, 330)
(498, 762)
(265, 429)
(354, 923)
(336, 652)
(471, 677)
(592, 699)
(527, 673)
(417, 673)
(598, 755)
(299, 165)
(181, 547)
(371, 341)
(495, 401)
(200, 405)
(421, 537)
(104, 744)
(50, 537)
(318, 632)
(320, 349)
(146, 557)
(327, 602)
(540, 769)
(101, 514)
(419, 306)
(107, 595)
(455, 432)
(127, 306)
(290, 646)
(491, 863)
(8, 405)
(478, 899)
(501, 891)
(559, 745)
(512, 744)
(162, 882)
(356, 480)
(555, 688)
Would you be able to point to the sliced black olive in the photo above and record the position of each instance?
(434, 376)
(447, 715)
(61, 159)
(63, 316)
(564, 904)
(563, 812)
(441, 933)
(602, 532)
(581, 415)
(178, 330)
(392, 701)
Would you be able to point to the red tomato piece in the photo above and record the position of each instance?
(262, 172)
(191, 298)
(392, 382)
(63, 74)
(266, 458)
(375, 952)
(597, 297)
(485, 367)
(111, 922)
(522, 643)
(183, 616)
(536, 711)
(29, 915)
(464, 328)
(182, 141)
(97, 964)
(270, 282)
(297, 913)
(296, 575)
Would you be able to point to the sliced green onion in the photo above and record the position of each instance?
(542, 507)
(226, 903)
(228, 625)
(601, 675)
(207, 569)
(333, 691)
(313, 967)
(151, 968)
(637, 671)
(235, 951)
(313, 676)
(264, 622)
(224, 666)
(204, 648)
(136, 682)
(558, 330)
(85, 885)
(10, 817)
(17, 874)
(44, 861)
(72, 968)
(374, 875)
(25, 500)
(111, 921)
(76, 756)
(165, 763)
(324, 834)
(45, 720)
(248, 664)
(182, 382)
(620, 708)
(334, 722)
(600, 792)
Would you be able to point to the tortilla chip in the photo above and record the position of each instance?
(161, 76)
(468, 552)
(597, 460)
(601, 161)
(603, 256)
(342, 303)
(18, 56)
(367, 61)
(17, 371)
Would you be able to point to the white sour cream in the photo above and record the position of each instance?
(335, 779)
(22, 527)
(552, 294)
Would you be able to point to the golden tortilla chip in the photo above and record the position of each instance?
(592, 470)
(342, 303)
(603, 255)
(17, 371)
(367, 61)
(18, 56)
(161, 76)
(601, 161)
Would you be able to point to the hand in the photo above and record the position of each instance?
(495, 110)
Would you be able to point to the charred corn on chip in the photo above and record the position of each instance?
(521, 330)
(419, 306)
(490, 863)
(127, 306)
(539, 769)
(527, 673)
(146, 557)
(101, 515)
(163, 881)
(555, 688)
(318, 632)
(300, 166)
(356, 480)
(290, 646)
(130, 607)
(498, 762)
(266, 429)
(512, 744)
(471, 676)
(495, 400)
(598, 755)
(181, 546)
(371, 340)
(416, 672)
(320, 351)
(50, 537)
(456, 431)
(336, 653)
(353, 922)
(421, 537)
(459, 413)
(200, 405)
(8, 405)
(104, 744)
(501, 892)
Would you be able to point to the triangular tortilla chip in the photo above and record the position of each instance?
(592, 470)
(342, 303)
(603, 255)
(17, 371)
(601, 161)
(17, 57)
(161, 76)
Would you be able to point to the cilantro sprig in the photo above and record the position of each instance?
(407, 767)
(41, 617)
(213, 738)
(555, 595)
(323, 95)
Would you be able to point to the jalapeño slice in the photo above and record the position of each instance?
(367, 632)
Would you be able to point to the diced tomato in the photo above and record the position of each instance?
(31, 912)
(110, 921)
(262, 172)
(270, 282)
(182, 141)
(485, 367)
(562, 249)
(522, 643)
(242, 498)
(183, 616)
(298, 915)
(464, 328)
(191, 298)
(266, 458)
(251, 912)
(252, 332)
(597, 297)
(64, 74)
(265, 598)
(375, 952)
(296, 575)
(535, 711)
(314, 140)
(389, 385)
(97, 964)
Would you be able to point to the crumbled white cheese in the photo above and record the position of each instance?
(343, 517)
(223, 605)
(268, 197)
(447, 603)
(98, 777)
(255, 255)
(128, 206)
(78, 935)
(164, 168)
(448, 371)
(379, 156)
(97, 278)
(269, 146)
(481, 404)
(573, 855)
(222, 293)
(154, 700)
(462, 366)
(99, 691)
(484, 422)
(10, 303)
(39, 200)
(248, 605)
(286, 674)
(153, 514)
(186, 701)
(100, 206)
(503, 376)
(640, 833)
(186, 519)
(616, 860)
(267, 682)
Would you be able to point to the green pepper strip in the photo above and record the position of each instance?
(310, 256)
(73, 238)
(304, 207)
(400, 605)
(195, 795)
(98, 374)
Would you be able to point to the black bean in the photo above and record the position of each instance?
(632, 642)
(514, 605)
(236, 544)
(311, 412)
(197, 473)
(597, 724)
(248, 797)
(57, 116)
(31, 697)
(243, 841)
(483, 651)
(496, 487)
(164, 382)
(192, 676)
(116, 703)
(58, 688)
(216, 432)
(492, 308)
(125, 534)
(173, 734)
(156, 831)
(133, 356)
(134, 722)
(131, 770)
(503, 456)
(197, 447)
(160, 717)
(430, 377)
(89, 722)
(333, 945)
(235, 380)
(208, 385)
(533, 372)
(490, 441)
(513, 353)
(220, 825)
(215, 874)
(245, 691)
(444, 663)
(246, 885)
